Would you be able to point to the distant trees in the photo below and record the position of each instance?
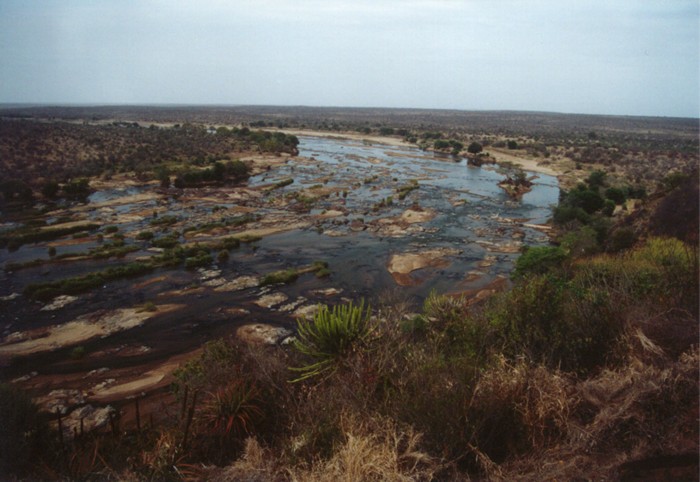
(475, 148)
(234, 171)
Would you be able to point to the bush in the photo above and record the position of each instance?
(280, 277)
(621, 239)
(329, 336)
(615, 194)
(539, 260)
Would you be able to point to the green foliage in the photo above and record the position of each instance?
(581, 242)
(212, 368)
(475, 148)
(404, 190)
(586, 199)
(77, 189)
(199, 260)
(330, 336)
(111, 229)
(223, 256)
(145, 235)
(164, 220)
(166, 242)
(616, 194)
(512, 144)
(16, 238)
(608, 207)
(284, 183)
(596, 179)
(621, 239)
(564, 214)
(674, 179)
(232, 410)
(78, 353)
(286, 276)
(80, 284)
(540, 260)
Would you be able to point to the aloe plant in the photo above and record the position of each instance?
(330, 335)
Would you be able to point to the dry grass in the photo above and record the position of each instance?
(640, 416)
(369, 451)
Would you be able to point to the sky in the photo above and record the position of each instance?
(619, 57)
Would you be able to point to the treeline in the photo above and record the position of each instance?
(49, 157)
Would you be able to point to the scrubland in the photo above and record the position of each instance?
(587, 368)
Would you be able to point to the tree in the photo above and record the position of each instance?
(512, 144)
(474, 148)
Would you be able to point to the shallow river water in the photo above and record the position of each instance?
(472, 217)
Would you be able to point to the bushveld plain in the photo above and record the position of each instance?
(293, 293)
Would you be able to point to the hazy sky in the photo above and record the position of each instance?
(630, 57)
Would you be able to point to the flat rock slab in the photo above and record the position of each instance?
(262, 334)
(402, 265)
(91, 325)
(270, 300)
(59, 302)
(241, 283)
(412, 216)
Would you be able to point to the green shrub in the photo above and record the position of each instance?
(280, 277)
(199, 261)
(615, 194)
(564, 214)
(231, 411)
(608, 207)
(145, 235)
(78, 353)
(111, 229)
(540, 260)
(166, 242)
(223, 256)
(621, 239)
(580, 243)
(331, 335)
(164, 220)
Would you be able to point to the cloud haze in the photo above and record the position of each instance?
(595, 56)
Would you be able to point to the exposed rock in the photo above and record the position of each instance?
(270, 300)
(327, 292)
(100, 323)
(241, 283)
(59, 302)
(308, 311)
(262, 334)
(293, 305)
(236, 311)
(10, 297)
(413, 215)
(60, 400)
(92, 419)
(402, 265)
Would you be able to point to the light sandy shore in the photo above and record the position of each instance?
(524, 162)
(390, 141)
